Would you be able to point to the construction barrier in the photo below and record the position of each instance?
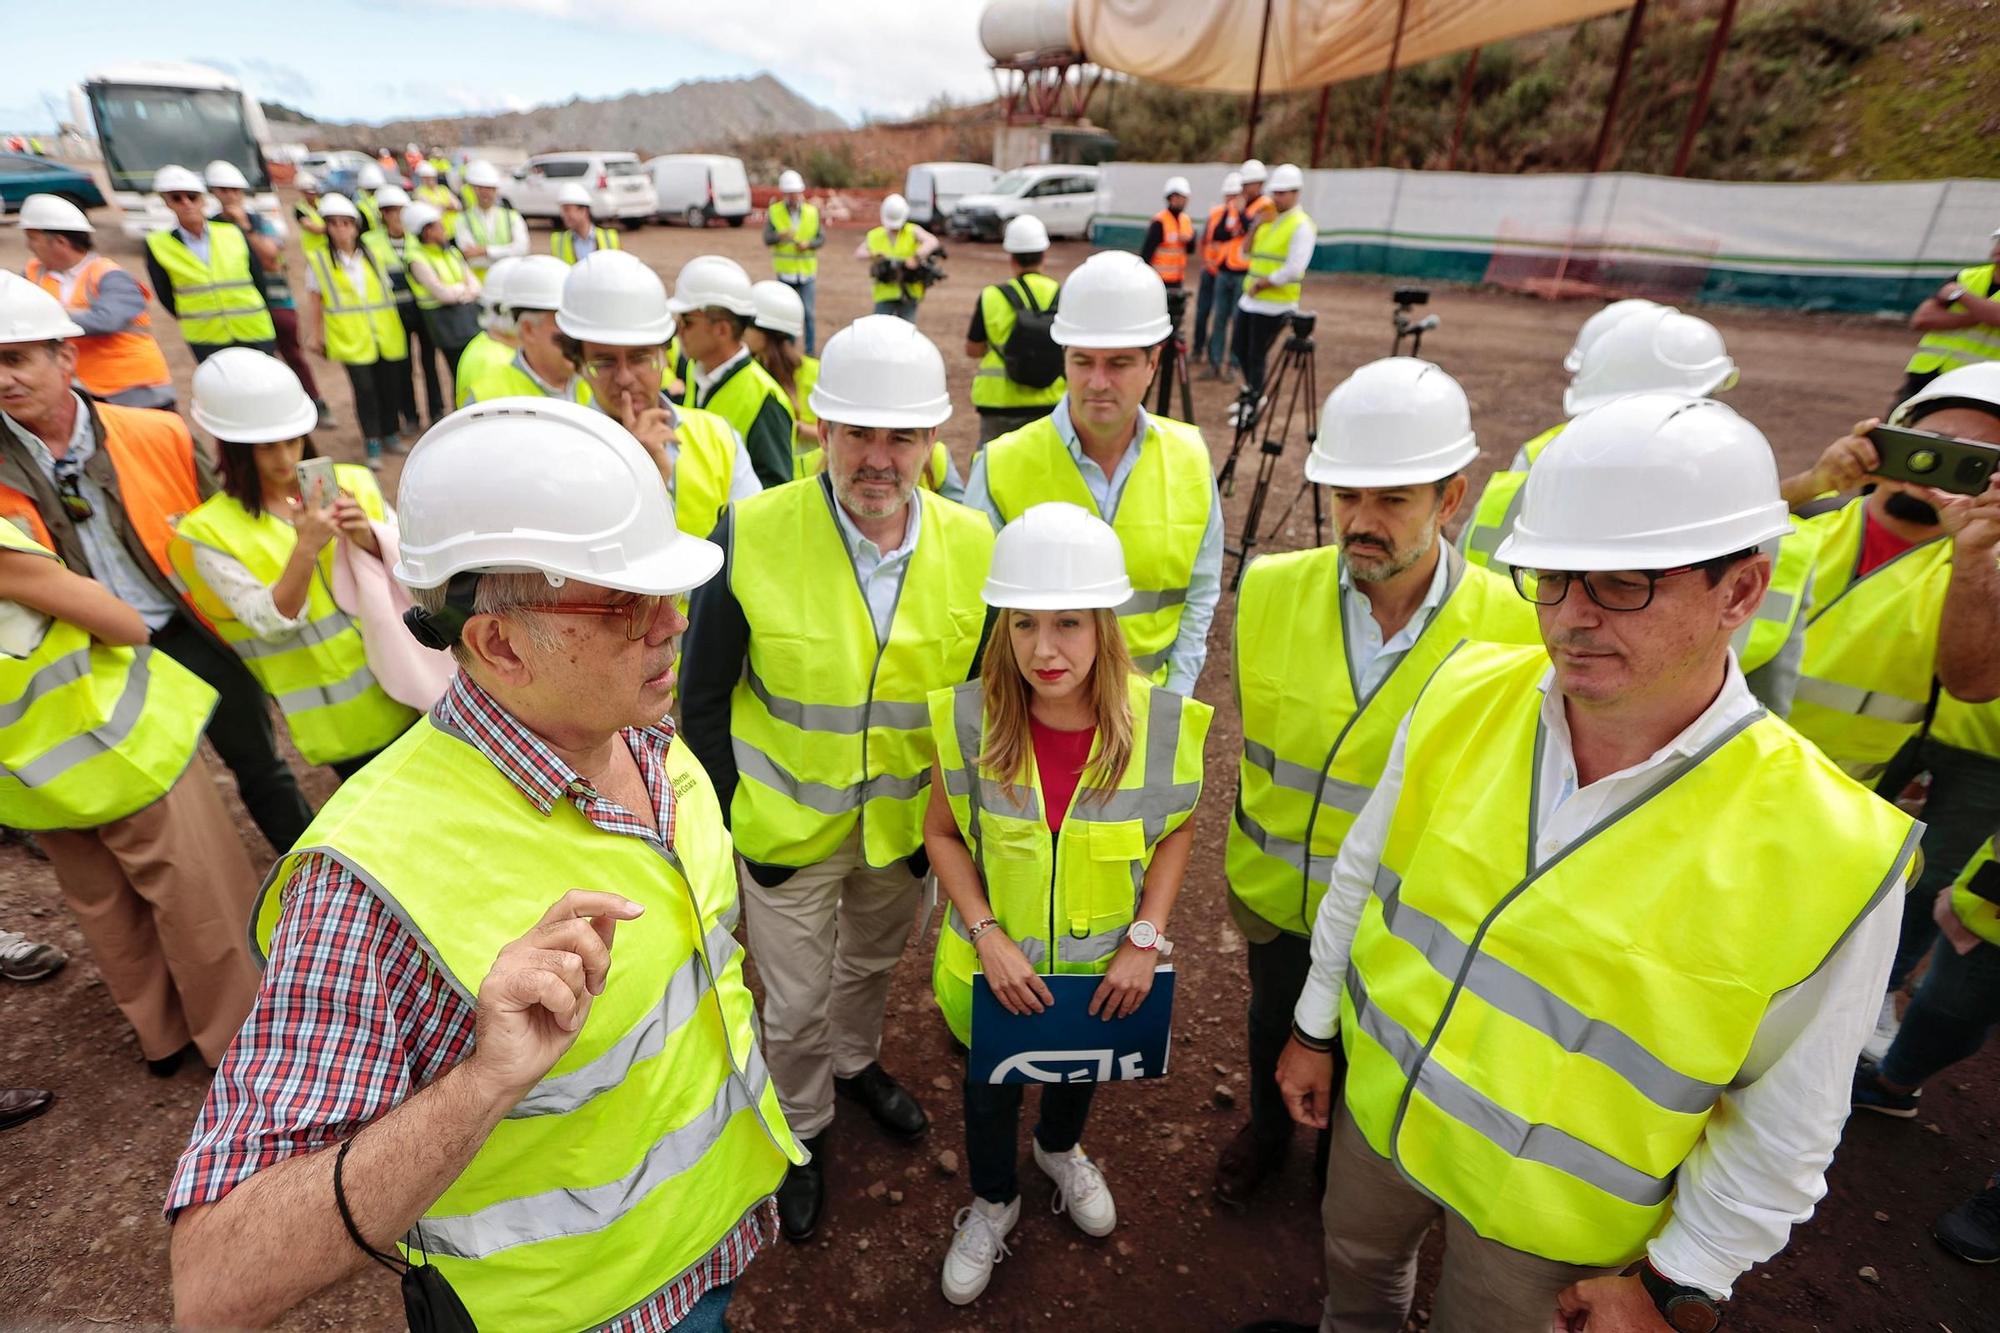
(1840, 246)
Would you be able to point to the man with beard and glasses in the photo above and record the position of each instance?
(845, 599)
(1332, 648)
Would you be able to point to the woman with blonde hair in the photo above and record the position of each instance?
(1058, 827)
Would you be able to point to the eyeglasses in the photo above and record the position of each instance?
(1624, 590)
(651, 359)
(640, 614)
(177, 196)
(69, 488)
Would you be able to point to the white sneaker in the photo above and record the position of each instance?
(979, 1242)
(1080, 1189)
(1887, 1025)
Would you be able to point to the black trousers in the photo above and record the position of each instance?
(423, 353)
(241, 731)
(376, 397)
(203, 351)
(1255, 333)
(993, 1131)
(1277, 975)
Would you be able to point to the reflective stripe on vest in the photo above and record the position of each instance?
(1071, 896)
(1176, 239)
(798, 262)
(216, 301)
(319, 676)
(563, 243)
(1268, 247)
(1314, 745)
(362, 325)
(830, 723)
(1871, 644)
(1947, 349)
(1499, 505)
(903, 247)
(447, 266)
(1759, 640)
(1536, 1053)
(659, 1129)
(1161, 517)
(475, 223)
(990, 385)
(90, 732)
(108, 363)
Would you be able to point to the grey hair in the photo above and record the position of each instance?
(507, 593)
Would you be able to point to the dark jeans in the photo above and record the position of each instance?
(423, 352)
(1956, 1005)
(1277, 975)
(1217, 296)
(1963, 807)
(903, 309)
(375, 397)
(203, 351)
(997, 421)
(707, 1314)
(286, 320)
(1255, 333)
(993, 1131)
(240, 729)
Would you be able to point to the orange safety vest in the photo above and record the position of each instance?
(108, 363)
(1215, 248)
(1239, 250)
(1176, 239)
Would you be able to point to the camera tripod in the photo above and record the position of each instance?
(1290, 384)
(1407, 328)
(1174, 362)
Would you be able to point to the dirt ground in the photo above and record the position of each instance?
(80, 1188)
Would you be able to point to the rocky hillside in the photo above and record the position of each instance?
(700, 114)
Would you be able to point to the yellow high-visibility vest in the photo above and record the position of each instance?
(1947, 349)
(217, 299)
(1268, 247)
(990, 385)
(797, 261)
(362, 323)
(903, 246)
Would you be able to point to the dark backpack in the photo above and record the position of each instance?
(1031, 356)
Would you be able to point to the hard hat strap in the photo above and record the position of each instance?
(440, 629)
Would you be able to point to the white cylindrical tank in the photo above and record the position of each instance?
(1012, 29)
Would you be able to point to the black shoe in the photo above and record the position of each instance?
(167, 1065)
(23, 1104)
(802, 1194)
(1244, 1164)
(1872, 1094)
(894, 1109)
(1972, 1230)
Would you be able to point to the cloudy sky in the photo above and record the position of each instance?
(375, 60)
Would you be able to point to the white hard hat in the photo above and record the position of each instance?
(1394, 422)
(612, 297)
(1285, 177)
(370, 177)
(779, 308)
(426, 169)
(881, 371)
(1177, 185)
(895, 210)
(1026, 235)
(1976, 386)
(243, 396)
(483, 175)
(28, 314)
(790, 182)
(52, 212)
(1057, 556)
(1113, 299)
(538, 484)
(391, 196)
(536, 283)
(417, 216)
(1651, 351)
(493, 287)
(338, 206)
(1232, 184)
(221, 175)
(170, 179)
(573, 193)
(410, 148)
(1650, 481)
(1602, 323)
(1252, 169)
(712, 280)
(306, 182)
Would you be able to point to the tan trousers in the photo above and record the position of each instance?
(825, 942)
(1375, 1220)
(163, 898)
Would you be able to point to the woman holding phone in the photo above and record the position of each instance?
(1058, 827)
(257, 558)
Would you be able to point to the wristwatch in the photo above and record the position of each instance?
(1146, 935)
(1686, 1309)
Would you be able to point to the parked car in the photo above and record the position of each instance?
(22, 175)
(697, 188)
(933, 188)
(619, 188)
(338, 170)
(1064, 198)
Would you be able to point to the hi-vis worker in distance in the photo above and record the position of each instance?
(906, 246)
(1058, 827)
(603, 1154)
(579, 236)
(793, 232)
(1960, 323)
(1170, 235)
(1332, 648)
(487, 229)
(539, 368)
(1017, 383)
(117, 360)
(205, 273)
(1574, 1033)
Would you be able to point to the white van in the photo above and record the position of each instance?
(697, 188)
(934, 187)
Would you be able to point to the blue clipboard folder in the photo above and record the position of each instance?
(1064, 1043)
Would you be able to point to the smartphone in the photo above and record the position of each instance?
(1985, 882)
(317, 487)
(1959, 466)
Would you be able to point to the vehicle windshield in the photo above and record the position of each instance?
(617, 168)
(142, 129)
(1014, 182)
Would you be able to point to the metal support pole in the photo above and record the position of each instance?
(1600, 155)
(1319, 125)
(1699, 111)
(1257, 88)
(1464, 101)
(1389, 82)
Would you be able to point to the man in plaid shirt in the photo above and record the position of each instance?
(569, 1145)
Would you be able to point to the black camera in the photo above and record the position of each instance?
(1411, 296)
(1303, 322)
(1176, 304)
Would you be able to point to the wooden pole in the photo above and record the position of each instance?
(1699, 111)
(1319, 124)
(1389, 82)
(1257, 88)
(1464, 101)
(1600, 156)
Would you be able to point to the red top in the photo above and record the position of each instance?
(1060, 757)
(1878, 545)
